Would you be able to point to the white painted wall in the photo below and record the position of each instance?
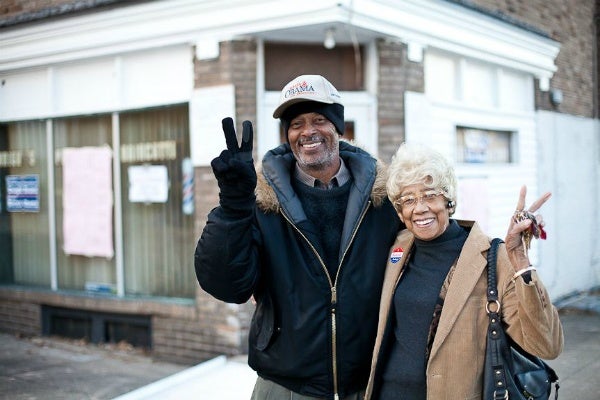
(129, 81)
(554, 152)
(208, 107)
(463, 92)
(569, 166)
(487, 193)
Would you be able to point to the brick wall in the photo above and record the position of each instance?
(236, 65)
(572, 23)
(181, 332)
(22, 11)
(10, 8)
(216, 328)
(20, 318)
(396, 75)
(596, 72)
(221, 328)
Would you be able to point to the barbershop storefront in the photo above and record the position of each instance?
(148, 179)
(106, 142)
(98, 208)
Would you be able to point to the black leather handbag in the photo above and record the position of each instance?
(510, 373)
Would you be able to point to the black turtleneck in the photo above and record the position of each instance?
(326, 209)
(414, 301)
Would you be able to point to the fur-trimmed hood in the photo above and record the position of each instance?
(273, 175)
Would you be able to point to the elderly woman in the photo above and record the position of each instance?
(431, 338)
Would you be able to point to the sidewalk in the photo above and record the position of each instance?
(577, 367)
(218, 378)
(58, 369)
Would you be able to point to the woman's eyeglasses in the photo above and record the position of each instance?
(410, 200)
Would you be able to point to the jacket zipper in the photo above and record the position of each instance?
(333, 287)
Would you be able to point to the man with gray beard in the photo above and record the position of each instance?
(308, 238)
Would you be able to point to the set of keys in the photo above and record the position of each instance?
(534, 230)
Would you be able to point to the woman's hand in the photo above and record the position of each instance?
(524, 225)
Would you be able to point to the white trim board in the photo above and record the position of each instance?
(419, 23)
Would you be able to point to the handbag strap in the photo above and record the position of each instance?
(493, 310)
(492, 292)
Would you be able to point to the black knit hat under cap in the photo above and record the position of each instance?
(333, 112)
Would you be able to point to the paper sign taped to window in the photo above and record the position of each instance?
(88, 201)
(148, 183)
(22, 193)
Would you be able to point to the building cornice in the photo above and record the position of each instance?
(419, 23)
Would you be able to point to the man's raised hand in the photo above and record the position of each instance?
(234, 170)
(244, 151)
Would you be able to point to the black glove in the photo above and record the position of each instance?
(234, 170)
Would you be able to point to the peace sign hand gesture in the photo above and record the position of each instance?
(524, 226)
(234, 170)
(244, 151)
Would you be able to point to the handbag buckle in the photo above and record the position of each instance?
(501, 397)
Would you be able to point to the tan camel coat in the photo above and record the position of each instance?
(454, 370)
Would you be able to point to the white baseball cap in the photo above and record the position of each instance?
(307, 88)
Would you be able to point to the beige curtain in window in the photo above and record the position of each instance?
(24, 237)
(158, 237)
(77, 271)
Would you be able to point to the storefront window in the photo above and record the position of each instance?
(158, 238)
(24, 239)
(484, 146)
(157, 214)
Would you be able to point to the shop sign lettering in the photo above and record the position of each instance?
(149, 151)
(17, 158)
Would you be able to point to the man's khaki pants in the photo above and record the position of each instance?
(269, 390)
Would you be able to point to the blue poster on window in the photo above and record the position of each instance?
(23, 193)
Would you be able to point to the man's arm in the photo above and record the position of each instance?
(225, 259)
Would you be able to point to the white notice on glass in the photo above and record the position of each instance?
(148, 183)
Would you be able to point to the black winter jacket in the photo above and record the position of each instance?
(311, 332)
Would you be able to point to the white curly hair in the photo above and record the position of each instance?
(417, 163)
